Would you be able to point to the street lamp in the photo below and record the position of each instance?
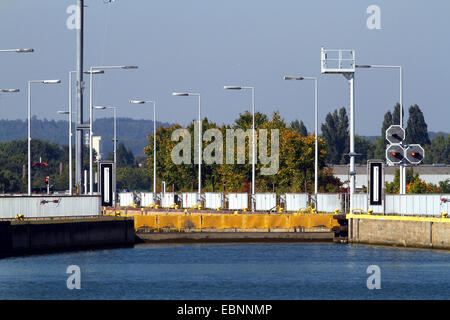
(92, 71)
(402, 168)
(253, 137)
(316, 114)
(154, 140)
(115, 128)
(187, 94)
(18, 50)
(70, 145)
(9, 90)
(29, 124)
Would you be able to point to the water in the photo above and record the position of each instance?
(230, 271)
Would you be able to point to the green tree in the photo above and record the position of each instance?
(299, 127)
(125, 158)
(438, 151)
(336, 135)
(416, 130)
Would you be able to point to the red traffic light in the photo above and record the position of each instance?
(394, 154)
(413, 154)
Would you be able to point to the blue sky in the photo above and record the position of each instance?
(202, 45)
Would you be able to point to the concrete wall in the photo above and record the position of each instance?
(23, 237)
(400, 231)
(49, 206)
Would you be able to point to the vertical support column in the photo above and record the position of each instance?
(351, 78)
(80, 88)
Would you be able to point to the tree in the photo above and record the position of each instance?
(336, 135)
(438, 151)
(125, 158)
(416, 130)
(299, 127)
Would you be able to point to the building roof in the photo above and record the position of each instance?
(424, 169)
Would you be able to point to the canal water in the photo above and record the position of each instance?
(231, 271)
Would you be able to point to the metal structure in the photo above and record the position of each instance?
(29, 124)
(316, 129)
(294, 201)
(154, 139)
(265, 201)
(253, 137)
(107, 182)
(344, 62)
(187, 94)
(214, 200)
(237, 201)
(49, 206)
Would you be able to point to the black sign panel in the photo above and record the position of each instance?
(376, 183)
(106, 184)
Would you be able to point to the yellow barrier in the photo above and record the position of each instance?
(233, 221)
(181, 221)
(191, 221)
(214, 221)
(275, 221)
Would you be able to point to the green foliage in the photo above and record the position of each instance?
(336, 135)
(416, 130)
(124, 157)
(129, 131)
(438, 151)
(296, 160)
(299, 127)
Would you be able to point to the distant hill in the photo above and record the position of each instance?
(133, 133)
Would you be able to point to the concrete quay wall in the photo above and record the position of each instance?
(26, 237)
(399, 231)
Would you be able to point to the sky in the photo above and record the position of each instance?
(201, 45)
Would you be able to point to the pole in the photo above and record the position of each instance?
(402, 168)
(352, 138)
(91, 173)
(154, 150)
(80, 88)
(70, 134)
(29, 138)
(199, 152)
(316, 158)
(115, 136)
(253, 151)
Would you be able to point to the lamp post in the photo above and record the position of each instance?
(316, 116)
(18, 50)
(253, 137)
(115, 128)
(29, 124)
(154, 139)
(70, 146)
(187, 94)
(402, 168)
(91, 89)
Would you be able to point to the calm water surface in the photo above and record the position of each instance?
(230, 271)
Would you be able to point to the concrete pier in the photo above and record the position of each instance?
(50, 235)
(232, 237)
(419, 232)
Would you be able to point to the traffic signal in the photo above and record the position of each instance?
(415, 153)
(395, 154)
(47, 180)
(395, 134)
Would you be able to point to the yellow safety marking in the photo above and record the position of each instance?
(400, 218)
